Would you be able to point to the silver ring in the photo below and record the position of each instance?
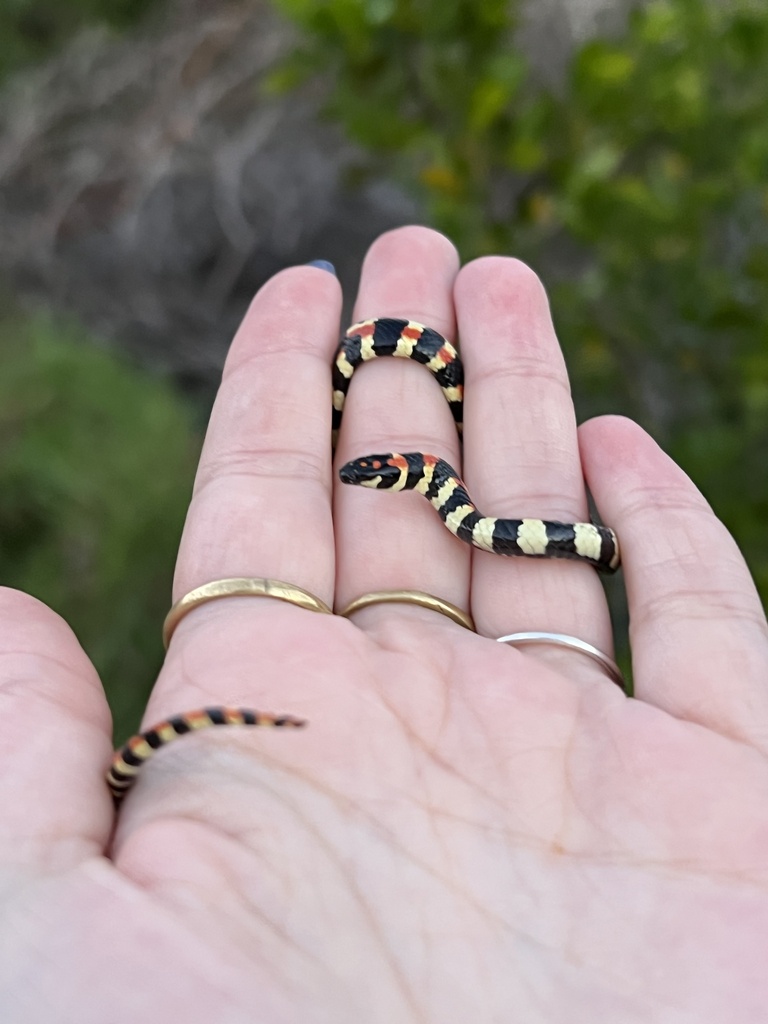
(563, 640)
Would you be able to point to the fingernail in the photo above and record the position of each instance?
(323, 265)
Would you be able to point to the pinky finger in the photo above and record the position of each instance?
(54, 742)
(698, 632)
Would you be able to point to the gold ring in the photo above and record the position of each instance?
(435, 604)
(248, 586)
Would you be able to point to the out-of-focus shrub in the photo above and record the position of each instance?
(96, 466)
(638, 191)
(31, 29)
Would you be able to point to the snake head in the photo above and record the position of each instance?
(388, 472)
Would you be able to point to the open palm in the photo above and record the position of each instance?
(465, 831)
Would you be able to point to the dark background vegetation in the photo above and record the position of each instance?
(628, 167)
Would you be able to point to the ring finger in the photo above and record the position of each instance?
(522, 459)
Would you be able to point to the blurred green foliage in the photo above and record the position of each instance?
(32, 29)
(639, 190)
(96, 465)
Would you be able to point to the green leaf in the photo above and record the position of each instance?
(489, 99)
(605, 65)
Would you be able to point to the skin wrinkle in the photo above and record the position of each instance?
(168, 888)
(186, 675)
(691, 605)
(468, 711)
(559, 841)
(562, 477)
(352, 809)
(681, 867)
(658, 564)
(581, 727)
(250, 466)
(686, 867)
(281, 354)
(119, 883)
(240, 412)
(551, 456)
(687, 542)
(662, 868)
(565, 499)
(483, 911)
(367, 913)
(721, 731)
(43, 682)
(45, 691)
(18, 687)
(39, 656)
(516, 840)
(642, 501)
(528, 369)
(514, 506)
(431, 751)
(49, 842)
(530, 843)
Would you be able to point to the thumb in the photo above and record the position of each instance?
(55, 742)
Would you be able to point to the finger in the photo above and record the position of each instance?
(396, 541)
(262, 502)
(522, 458)
(55, 741)
(698, 631)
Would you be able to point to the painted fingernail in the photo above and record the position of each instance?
(323, 265)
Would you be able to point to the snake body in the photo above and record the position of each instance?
(127, 761)
(385, 336)
(442, 486)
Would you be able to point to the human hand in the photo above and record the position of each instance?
(465, 830)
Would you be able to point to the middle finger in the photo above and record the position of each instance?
(395, 541)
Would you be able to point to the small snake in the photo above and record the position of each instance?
(442, 486)
(432, 476)
(127, 761)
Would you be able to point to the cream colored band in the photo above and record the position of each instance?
(249, 586)
(434, 604)
(563, 640)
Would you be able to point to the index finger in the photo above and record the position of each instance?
(261, 502)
